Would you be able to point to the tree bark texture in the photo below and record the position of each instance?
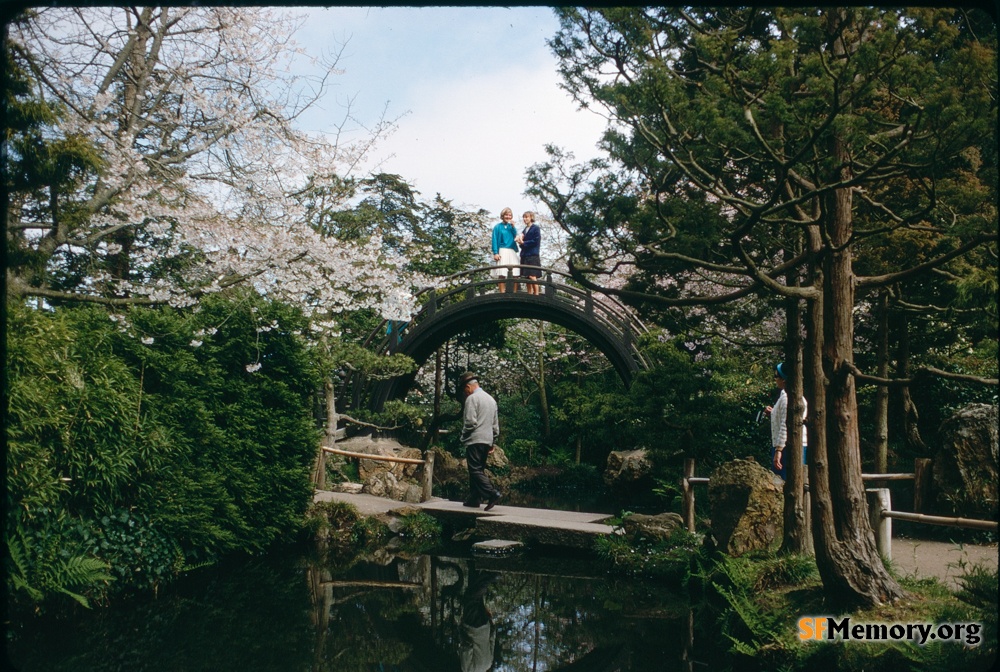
(882, 394)
(543, 399)
(905, 410)
(796, 537)
(846, 554)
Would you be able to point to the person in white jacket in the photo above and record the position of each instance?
(779, 423)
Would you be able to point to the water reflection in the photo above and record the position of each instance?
(435, 613)
(446, 613)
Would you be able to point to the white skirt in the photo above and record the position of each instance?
(507, 257)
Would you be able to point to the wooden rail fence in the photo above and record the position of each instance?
(880, 512)
(427, 473)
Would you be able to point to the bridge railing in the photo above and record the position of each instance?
(553, 286)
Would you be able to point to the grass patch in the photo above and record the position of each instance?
(669, 560)
(340, 525)
(757, 603)
(754, 604)
(419, 531)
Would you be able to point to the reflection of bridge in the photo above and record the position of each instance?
(471, 298)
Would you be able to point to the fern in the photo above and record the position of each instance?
(756, 628)
(21, 584)
(761, 629)
(18, 573)
(82, 571)
(52, 574)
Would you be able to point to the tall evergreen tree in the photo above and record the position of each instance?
(801, 136)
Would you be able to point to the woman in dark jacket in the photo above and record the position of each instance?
(530, 240)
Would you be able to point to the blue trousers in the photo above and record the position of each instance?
(784, 464)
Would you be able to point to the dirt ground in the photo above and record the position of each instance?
(941, 559)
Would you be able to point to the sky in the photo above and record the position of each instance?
(475, 90)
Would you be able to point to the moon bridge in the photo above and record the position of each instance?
(470, 298)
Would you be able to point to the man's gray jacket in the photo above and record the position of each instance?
(482, 425)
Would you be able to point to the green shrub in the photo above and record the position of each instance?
(340, 526)
(980, 589)
(523, 451)
(670, 559)
(153, 441)
(753, 626)
(140, 554)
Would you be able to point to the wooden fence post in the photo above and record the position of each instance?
(688, 492)
(921, 483)
(428, 476)
(321, 470)
(880, 503)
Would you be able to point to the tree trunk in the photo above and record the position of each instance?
(796, 538)
(882, 394)
(332, 417)
(911, 422)
(905, 409)
(437, 384)
(136, 75)
(330, 435)
(849, 564)
(543, 399)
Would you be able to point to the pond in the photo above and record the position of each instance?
(450, 610)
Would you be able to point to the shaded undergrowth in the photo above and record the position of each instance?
(755, 605)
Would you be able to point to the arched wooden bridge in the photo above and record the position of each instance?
(469, 298)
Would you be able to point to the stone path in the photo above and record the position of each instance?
(911, 557)
(514, 523)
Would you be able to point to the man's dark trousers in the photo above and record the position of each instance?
(480, 487)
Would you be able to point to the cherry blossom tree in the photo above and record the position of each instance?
(202, 172)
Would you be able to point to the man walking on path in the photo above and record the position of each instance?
(480, 429)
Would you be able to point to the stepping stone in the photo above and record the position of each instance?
(497, 547)
(535, 531)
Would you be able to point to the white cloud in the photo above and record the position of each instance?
(473, 139)
(475, 90)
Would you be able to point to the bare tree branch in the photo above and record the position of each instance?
(918, 374)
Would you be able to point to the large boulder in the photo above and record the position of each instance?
(448, 468)
(381, 484)
(497, 459)
(747, 506)
(628, 470)
(965, 467)
(393, 480)
(654, 528)
(385, 448)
